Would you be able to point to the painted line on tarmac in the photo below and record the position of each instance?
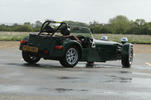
(22, 60)
(149, 64)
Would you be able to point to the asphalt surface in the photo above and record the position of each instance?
(49, 81)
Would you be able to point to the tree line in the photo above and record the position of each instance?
(117, 25)
(122, 25)
(26, 27)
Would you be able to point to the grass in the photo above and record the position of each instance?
(140, 39)
(12, 36)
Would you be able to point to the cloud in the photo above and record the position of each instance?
(78, 10)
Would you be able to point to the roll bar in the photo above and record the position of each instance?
(46, 23)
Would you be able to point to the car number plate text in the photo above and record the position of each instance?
(29, 48)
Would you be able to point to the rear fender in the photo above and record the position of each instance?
(26, 39)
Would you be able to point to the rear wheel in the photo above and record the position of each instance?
(30, 58)
(70, 58)
(127, 59)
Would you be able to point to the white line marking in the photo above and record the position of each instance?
(148, 64)
(22, 59)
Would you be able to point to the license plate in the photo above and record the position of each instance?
(29, 48)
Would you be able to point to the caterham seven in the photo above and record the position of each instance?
(69, 45)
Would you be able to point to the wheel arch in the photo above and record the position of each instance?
(126, 48)
(74, 44)
(127, 55)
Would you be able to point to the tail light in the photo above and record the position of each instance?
(23, 41)
(46, 52)
(58, 47)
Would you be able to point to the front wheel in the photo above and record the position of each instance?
(70, 58)
(30, 58)
(127, 59)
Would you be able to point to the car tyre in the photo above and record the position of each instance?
(70, 58)
(127, 59)
(29, 58)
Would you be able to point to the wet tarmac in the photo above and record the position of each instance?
(47, 80)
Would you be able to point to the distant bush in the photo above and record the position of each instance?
(122, 25)
(26, 27)
(23, 28)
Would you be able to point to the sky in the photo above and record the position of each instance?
(20, 11)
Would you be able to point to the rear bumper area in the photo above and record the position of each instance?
(53, 54)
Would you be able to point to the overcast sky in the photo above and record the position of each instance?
(21, 11)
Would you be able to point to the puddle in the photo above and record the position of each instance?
(34, 90)
(50, 91)
(63, 90)
(38, 90)
(101, 79)
(65, 77)
(125, 72)
(119, 79)
(68, 90)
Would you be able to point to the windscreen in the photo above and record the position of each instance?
(80, 31)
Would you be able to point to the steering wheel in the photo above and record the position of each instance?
(83, 40)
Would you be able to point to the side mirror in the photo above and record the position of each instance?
(104, 38)
(124, 40)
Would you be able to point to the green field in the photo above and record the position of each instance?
(139, 39)
(144, 39)
(12, 36)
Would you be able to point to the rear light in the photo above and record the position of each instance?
(23, 41)
(46, 52)
(58, 47)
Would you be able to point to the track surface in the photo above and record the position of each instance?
(49, 81)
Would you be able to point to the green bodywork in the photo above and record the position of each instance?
(90, 49)
(97, 51)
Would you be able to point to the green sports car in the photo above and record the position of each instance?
(69, 45)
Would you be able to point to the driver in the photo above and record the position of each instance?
(66, 33)
(49, 29)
